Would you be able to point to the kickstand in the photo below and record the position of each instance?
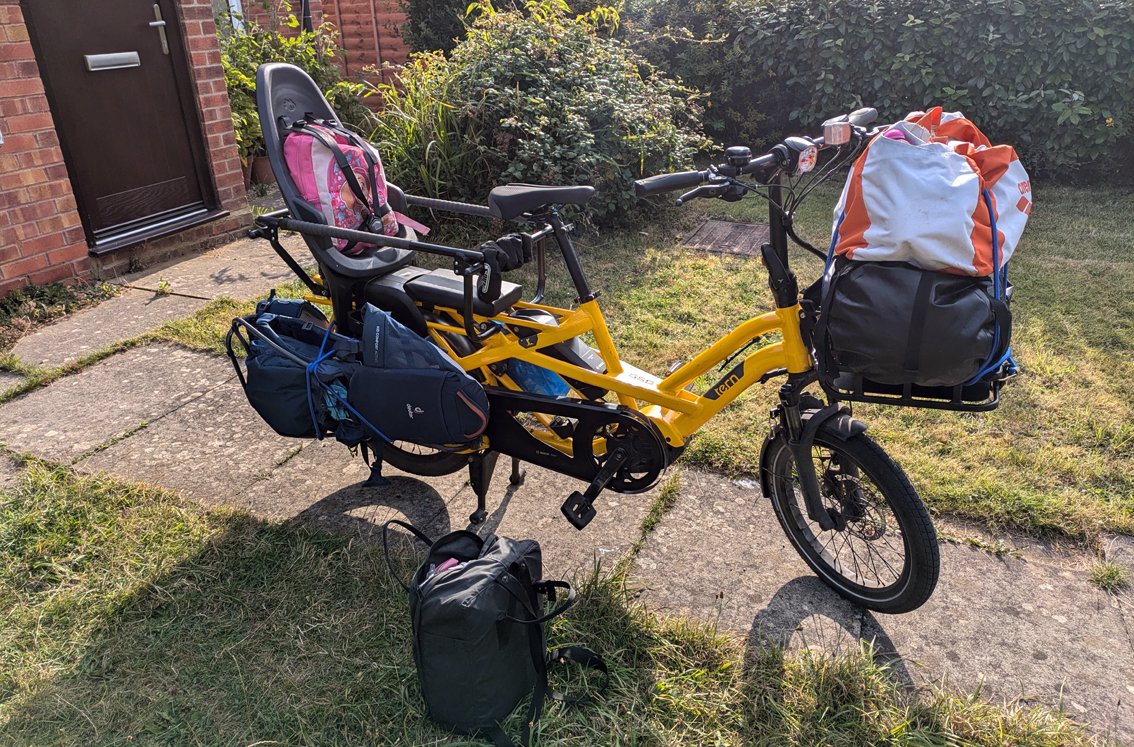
(375, 480)
(481, 467)
(518, 473)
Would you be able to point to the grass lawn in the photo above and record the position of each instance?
(128, 617)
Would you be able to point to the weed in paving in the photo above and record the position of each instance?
(1109, 576)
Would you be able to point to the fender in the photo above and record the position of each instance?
(842, 426)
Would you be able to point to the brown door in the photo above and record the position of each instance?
(117, 79)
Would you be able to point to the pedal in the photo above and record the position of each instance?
(578, 509)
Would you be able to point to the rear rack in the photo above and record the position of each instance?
(468, 263)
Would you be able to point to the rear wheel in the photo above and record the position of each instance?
(422, 460)
(883, 552)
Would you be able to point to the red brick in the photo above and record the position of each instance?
(31, 123)
(16, 51)
(40, 157)
(57, 223)
(42, 244)
(67, 254)
(23, 266)
(47, 191)
(66, 203)
(9, 253)
(52, 274)
(7, 286)
(16, 33)
(75, 235)
(23, 178)
(23, 87)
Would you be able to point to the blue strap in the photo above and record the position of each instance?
(998, 291)
(312, 375)
(834, 242)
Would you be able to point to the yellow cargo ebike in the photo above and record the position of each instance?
(582, 411)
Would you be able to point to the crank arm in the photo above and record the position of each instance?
(579, 507)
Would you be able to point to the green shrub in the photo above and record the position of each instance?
(434, 25)
(243, 50)
(1052, 78)
(541, 97)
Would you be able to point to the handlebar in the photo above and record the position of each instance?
(718, 176)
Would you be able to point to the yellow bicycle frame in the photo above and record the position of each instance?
(677, 412)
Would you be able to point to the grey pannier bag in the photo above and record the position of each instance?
(889, 332)
(477, 608)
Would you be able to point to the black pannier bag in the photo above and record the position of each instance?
(893, 333)
(478, 612)
(306, 381)
(411, 389)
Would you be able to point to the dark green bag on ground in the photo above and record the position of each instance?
(478, 636)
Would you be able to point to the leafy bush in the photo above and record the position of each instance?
(1052, 77)
(540, 97)
(243, 50)
(434, 25)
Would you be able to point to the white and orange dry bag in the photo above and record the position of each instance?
(931, 191)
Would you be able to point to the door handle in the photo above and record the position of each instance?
(159, 24)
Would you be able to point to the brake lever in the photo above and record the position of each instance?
(705, 190)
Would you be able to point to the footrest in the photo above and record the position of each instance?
(447, 288)
(578, 509)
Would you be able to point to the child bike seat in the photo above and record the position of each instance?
(284, 94)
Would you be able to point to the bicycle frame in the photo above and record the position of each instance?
(677, 412)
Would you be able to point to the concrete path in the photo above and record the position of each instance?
(170, 290)
(1030, 626)
(8, 380)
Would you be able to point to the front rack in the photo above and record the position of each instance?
(979, 397)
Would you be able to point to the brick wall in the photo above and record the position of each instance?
(41, 236)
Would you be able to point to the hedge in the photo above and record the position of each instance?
(1054, 78)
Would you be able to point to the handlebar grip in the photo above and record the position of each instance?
(668, 182)
(862, 117)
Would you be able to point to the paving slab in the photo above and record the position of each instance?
(77, 413)
(209, 450)
(245, 268)
(9, 379)
(1012, 627)
(324, 483)
(720, 556)
(128, 314)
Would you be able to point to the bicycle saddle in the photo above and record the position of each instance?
(513, 200)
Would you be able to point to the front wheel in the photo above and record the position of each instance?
(883, 552)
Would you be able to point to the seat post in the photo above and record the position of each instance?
(570, 258)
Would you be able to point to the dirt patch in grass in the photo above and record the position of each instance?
(129, 617)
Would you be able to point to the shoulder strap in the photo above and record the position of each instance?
(583, 657)
(417, 533)
(340, 159)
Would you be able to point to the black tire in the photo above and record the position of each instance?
(875, 500)
(421, 460)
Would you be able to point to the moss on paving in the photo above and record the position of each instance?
(130, 617)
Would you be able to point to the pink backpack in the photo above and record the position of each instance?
(341, 174)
